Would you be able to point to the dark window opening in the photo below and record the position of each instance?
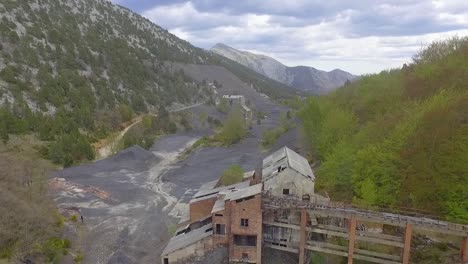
(245, 256)
(244, 222)
(220, 229)
(245, 241)
(166, 261)
(218, 215)
(279, 169)
(306, 197)
(286, 191)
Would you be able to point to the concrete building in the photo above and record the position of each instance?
(286, 173)
(240, 100)
(231, 216)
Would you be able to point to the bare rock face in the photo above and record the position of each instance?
(301, 77)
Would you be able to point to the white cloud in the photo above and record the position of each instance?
(372, 39)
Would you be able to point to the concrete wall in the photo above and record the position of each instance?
(201, 209)
(194, 251)
(297, 184)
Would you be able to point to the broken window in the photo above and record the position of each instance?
(244, 222)
(286, 191)
(245, 241)
(220, 229)
(166, 261)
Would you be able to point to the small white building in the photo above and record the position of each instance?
(286, 173)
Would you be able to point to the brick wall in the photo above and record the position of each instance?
(220, 240)
(251, 210)
(201, 209)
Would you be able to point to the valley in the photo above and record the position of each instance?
(110, 124)
(149, 190)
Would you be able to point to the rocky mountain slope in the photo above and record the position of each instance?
(81, 68)
(301, 77)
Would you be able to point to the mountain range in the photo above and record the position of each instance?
(302, 77)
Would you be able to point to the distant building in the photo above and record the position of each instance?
(240, 100)
(231, 216)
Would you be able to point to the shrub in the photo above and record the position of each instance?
(233, 128)
(232, 175)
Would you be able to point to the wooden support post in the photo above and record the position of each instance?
(407, 245)
(302, 241)
(351, 239)
(464, 251)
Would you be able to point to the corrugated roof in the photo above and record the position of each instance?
(246, 192)
(218, 206)
(208, 186)
(210, 193)
(286, 157)
(186, 239)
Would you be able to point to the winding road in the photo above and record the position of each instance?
(108, 149)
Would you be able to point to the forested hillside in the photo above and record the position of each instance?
(73, 71)
(399, 138)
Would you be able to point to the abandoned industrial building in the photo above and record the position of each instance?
(275, 207)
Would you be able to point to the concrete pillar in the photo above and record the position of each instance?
(259, 230)
(407, 245)
(351, 239)
(464, 251)
(302, 236)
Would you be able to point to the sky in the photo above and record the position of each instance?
(360, 37)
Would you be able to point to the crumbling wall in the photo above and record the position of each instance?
(297, 184)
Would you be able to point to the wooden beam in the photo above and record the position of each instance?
(302, 234)
(407, 247)
(464, 250)
(296, 227)
(377, 254)
(327, 232)
(325, 250)
(327, 245)
(376, 260)
(380, 241)
(333, 228)
(351, 239)
(379, 235)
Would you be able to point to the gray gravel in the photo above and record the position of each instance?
(149, 190)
